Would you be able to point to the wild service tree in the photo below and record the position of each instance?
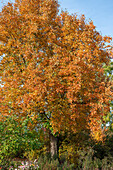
(51, 68)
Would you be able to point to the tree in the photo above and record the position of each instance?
(51, 69)
(109, 72)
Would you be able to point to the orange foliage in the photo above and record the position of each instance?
(51, 65)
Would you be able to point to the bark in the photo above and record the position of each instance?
(53, 145)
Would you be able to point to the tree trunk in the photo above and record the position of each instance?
(53, 145)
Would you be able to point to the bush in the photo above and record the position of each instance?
(87, 160)
(46, 163)
(16, 140)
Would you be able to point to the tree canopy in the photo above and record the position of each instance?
(52, 67)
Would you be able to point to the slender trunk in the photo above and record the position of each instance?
(53, 145)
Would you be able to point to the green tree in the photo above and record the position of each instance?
(109, 74)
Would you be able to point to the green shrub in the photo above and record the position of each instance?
(46, 163)
(16, 139)
(87, 160)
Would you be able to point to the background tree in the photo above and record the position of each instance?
(109, 73)
(51, 69)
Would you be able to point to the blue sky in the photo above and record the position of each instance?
(99, 11)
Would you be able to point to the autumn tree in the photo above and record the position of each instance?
(51, 69)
